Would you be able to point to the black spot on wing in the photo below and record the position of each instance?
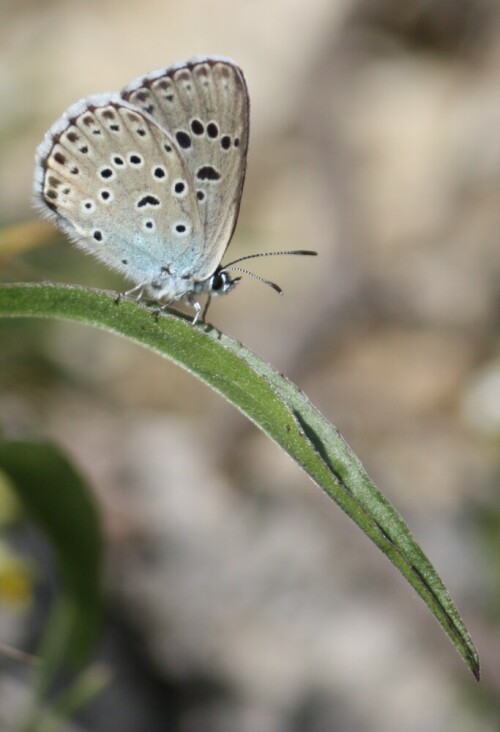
(148, 200)
(183, 139)
(207, 172)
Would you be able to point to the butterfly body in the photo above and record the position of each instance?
(149, 180)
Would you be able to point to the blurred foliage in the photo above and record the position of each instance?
(487, 519)
(17, 577)
(53, 494)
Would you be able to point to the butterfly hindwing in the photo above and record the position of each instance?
(120, 187)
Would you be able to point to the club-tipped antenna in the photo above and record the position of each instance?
(294, 252)
(275, 287)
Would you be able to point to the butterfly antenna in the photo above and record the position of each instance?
(295, 252)
(275, 287)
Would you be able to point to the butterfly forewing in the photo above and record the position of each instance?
(119, 186)
(204, 106)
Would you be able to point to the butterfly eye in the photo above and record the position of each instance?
(222, 282)
(218, 281)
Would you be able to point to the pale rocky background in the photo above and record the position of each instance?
(238, 597)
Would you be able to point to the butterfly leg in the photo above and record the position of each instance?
(197, 307)
(157, 311)
(128, 293)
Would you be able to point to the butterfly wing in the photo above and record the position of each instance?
(119, 186)
(203, 104)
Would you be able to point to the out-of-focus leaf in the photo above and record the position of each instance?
(57, 499)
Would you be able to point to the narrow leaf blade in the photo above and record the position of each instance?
(276, 406)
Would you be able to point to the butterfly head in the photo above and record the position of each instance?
(221, 282)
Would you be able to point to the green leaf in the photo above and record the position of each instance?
(55, 496)
(275, 405)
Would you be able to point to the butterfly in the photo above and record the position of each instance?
(149, 179)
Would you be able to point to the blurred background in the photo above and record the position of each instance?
(238, 597)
